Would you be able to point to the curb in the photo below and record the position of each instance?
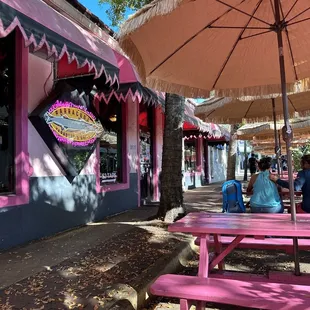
(137, 294)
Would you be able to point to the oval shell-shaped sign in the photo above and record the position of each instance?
(73, 124)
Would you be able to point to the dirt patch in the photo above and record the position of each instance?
(97, 277)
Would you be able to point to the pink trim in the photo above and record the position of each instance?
(206, 158)
(138, 154)
(135, 96)
(125, 163)
(22, 168)
(156, 117)
(63, 26)
(199, 155)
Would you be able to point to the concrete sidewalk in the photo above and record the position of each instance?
(101, 263)
(22, 262)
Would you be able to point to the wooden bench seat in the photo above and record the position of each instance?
(253, 294)
(264, 244)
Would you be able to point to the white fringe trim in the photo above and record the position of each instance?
(155, 8)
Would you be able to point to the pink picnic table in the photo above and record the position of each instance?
(202, 224)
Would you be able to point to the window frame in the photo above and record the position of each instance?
(22, 166)
(125, 163)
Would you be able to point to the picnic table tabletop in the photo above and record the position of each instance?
(203, 224)
(243, 224)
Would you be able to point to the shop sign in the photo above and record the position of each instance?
(108, 177)
(73, 124)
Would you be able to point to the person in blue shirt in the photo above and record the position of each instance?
(301, 183)
(265, 198)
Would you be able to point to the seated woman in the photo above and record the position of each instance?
(301, 183)
(265, 198)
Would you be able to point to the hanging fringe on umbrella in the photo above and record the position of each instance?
(142, 16)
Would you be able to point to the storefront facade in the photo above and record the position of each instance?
(56, 175)
(204, 151)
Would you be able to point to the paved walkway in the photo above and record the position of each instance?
(80, 268)
(30, 259)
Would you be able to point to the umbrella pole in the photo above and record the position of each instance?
(280, 152)
(279, 29)
(275, 134)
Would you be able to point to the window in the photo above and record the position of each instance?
(111, 143)
(7, 114)
(190, 155)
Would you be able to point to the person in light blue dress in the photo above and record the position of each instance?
(265, 198)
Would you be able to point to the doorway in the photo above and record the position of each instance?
(146, 134)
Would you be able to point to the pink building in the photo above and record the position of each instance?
(205, 150)
(80, 138)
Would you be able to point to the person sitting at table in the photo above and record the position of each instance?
(301, 183)
(265, 198)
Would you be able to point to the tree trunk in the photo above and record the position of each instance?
(232, 154)
(171, 198)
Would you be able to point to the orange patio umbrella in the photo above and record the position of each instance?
(237, 48)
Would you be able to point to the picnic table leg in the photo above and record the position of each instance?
(201, 305)
(223, 254)
(218, 250)
(184, 304)
(203, 268)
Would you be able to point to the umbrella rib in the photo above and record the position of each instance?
(247, 111)
(256, 34)
(210, 113)
(191, 38)
(299, 21)
(236, 43)
(238, 27)
(290, 10)
(302, 12)
(291, 102)
(291, 53)
(289, 43)
(245, 13)
(274, 13)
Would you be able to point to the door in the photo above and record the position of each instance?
(146, 153)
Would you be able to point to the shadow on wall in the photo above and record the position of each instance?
(57, 205)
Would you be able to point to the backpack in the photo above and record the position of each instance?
(232, 197)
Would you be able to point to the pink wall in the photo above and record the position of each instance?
(44, 163)
(158, 148)
(199, 154)
(22, 168)
(133, 137)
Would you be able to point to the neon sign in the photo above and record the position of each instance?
(73, 124)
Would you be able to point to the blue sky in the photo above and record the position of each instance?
(100, 10)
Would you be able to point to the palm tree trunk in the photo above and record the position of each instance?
(171, 198)
(232, 154)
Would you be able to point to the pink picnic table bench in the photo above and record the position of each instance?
(246, 291)
(284, 193)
